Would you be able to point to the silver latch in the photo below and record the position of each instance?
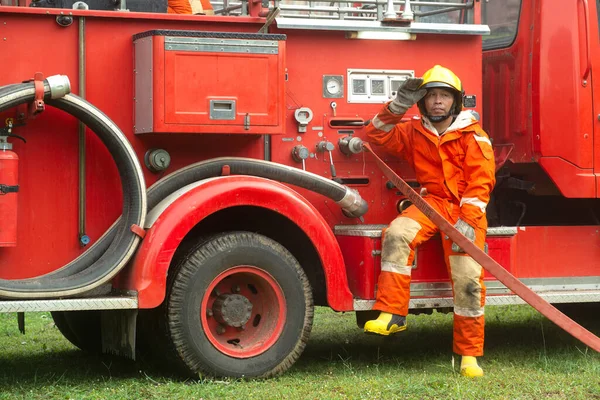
(222, 109)
(303, 115)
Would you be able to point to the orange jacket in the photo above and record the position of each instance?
(179, 7)
(458, 165)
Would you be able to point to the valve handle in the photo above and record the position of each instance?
(15, 136)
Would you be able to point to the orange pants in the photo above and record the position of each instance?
(400, 239)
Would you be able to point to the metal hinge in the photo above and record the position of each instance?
(4, 189)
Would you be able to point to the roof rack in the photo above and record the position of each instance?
(431, 16)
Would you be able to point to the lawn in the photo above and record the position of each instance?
(527, 357)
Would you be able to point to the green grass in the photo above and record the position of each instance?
(527, 357)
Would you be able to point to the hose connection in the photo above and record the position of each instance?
(59, 85)
(352, 204)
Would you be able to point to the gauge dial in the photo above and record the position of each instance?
(333, 86)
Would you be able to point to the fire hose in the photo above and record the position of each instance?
(112, 251)
(85, 273)
(488, 263)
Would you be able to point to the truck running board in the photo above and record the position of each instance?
(504, 300)
(96, 303)
(529, 296)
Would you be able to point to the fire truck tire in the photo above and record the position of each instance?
(81, 328)
(239, 305)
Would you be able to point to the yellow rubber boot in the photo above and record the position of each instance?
(386, 324)
(469, 367)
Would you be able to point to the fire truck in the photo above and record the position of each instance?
(194, 185)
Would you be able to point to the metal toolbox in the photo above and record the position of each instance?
(209, 82)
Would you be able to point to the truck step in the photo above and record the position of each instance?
(96, 303)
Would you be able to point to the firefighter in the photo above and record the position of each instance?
(453, 162)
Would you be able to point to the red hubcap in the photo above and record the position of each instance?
(243, 311)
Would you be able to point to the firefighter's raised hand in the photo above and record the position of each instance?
(467, 230)
(408, 94)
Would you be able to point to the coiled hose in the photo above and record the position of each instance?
(111, 252)
(84, 273)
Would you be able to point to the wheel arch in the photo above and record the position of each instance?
(240, 203)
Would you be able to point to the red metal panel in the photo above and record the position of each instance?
(537, 97)
(535, 252)
(47, 211)
(362, 265)
(563, 94)
(184, 83)
(363, 268)
(594, 49)
(149, 270)
(432, 268)
(507, 88)
(557, 251)
(251, 80)
(572, 181)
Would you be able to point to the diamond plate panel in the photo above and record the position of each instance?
(359, 230)
(99, 303)
(375, 230)
(592, 296)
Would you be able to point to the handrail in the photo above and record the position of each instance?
(588, 66)
(345, 9)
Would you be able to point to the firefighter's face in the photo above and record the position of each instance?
(438, 101)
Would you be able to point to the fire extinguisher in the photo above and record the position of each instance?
(9, 188)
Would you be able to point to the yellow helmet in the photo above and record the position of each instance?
(441, 77)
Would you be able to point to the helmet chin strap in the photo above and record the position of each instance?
(438, 118)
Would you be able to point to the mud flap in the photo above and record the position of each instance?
(118, 332)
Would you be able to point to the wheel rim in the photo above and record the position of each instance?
(243, 311)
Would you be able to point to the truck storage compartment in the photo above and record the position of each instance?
(361, 247)
(209, 82)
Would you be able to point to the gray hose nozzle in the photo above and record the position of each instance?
(59, 85)
(352, 204)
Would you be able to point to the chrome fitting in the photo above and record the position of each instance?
(59, 85)
(353, 204)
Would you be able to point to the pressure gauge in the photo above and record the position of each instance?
(333, 86)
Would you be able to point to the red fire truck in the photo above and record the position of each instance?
(194, 184)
